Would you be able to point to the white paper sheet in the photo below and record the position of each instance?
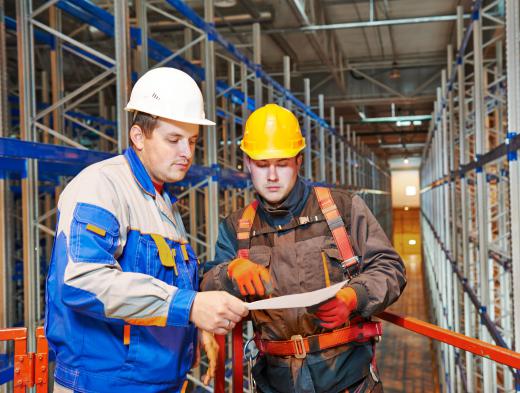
(298, 300)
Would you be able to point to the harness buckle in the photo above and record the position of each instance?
(351, 266)
(299, 346)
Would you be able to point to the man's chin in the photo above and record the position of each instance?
(176, 176)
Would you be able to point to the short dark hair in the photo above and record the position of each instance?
(146, 122)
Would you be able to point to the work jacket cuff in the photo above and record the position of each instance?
(362, 296)
(227, 283)
(180, 308)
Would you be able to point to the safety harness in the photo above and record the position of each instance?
(298, 346)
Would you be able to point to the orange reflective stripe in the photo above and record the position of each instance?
(331, 213)
(126, 335)
(147, 321)
(184, 386)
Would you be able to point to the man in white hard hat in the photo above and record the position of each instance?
(122, 302)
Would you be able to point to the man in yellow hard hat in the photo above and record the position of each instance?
(298, 238)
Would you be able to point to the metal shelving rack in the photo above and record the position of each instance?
(56, 127)
(470, 200)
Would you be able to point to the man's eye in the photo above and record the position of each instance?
(174, 141)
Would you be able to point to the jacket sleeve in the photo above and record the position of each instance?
(383, 276)
(215, 276)
(92, 231)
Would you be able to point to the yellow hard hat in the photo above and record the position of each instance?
(272, 132)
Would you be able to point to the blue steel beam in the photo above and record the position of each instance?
(55, 160)
(104, 21)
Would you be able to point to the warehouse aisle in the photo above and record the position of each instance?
(405, 359)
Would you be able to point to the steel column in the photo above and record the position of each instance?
(257, 58)
(513, 124)
(211, 133)
(121, 32)
(333, 145)
(321, 105)
(26, 74)
(308, 132)
(342, 151)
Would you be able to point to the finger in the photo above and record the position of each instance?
(265, 276)
(327, 313)
(220, 331)
(243, 291)
(236, 306)
(327, 306)
(228, 315)
(327, 318)
(230, 326)
(250, 288)
(239, 287)
(259, 286)
(266, 280)
(329, 325)
(205, 379)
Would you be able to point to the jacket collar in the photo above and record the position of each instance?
(141, 176)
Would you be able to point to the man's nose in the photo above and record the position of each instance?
(272, 175)
(185, 149)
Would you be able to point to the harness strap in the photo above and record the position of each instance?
(245, 223)
(294, 223)
(350, 261)
(299, 346)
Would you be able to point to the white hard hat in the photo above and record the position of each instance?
(169, 93)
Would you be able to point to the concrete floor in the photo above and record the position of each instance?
(405, 359)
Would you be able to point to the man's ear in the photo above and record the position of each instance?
(137, 137)
(299, 160)
(247, 163)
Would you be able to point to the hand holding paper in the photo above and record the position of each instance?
(298, 300)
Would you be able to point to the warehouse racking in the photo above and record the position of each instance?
(52, 126)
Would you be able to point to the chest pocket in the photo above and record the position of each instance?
(94, 234)
(260, 255)
(331, 262)
(157, 258)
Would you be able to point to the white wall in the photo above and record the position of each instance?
(401, 179)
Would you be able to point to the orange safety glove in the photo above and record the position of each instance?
(250, 278)
(336, 311)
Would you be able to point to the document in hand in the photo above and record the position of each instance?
(306, 299)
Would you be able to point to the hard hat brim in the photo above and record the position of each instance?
(273, 154)
(202, 122)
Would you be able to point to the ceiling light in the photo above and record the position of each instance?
(410, 191)
(406, 208)
(417, 122)
(395, 73)
(406, 160)
(225, 3)
(412, 242)
(403, 123)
